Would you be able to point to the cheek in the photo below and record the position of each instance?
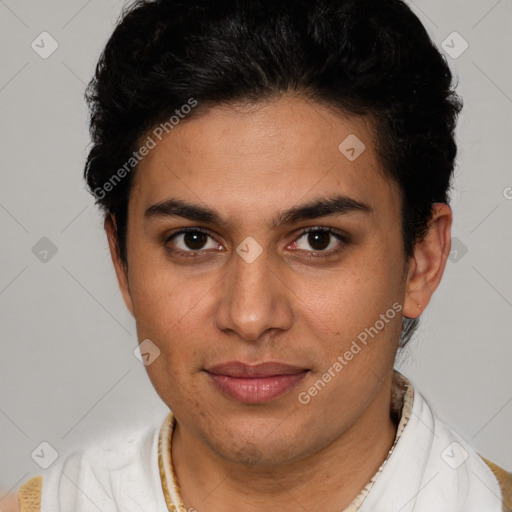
(170, 313)
(162, 295)
(169, 310)
(353, 296)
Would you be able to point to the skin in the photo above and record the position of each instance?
(250, 164)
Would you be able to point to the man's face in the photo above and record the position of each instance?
(255, 288)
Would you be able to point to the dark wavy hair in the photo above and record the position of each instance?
(368, 58)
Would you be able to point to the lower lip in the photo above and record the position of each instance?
(256, 390)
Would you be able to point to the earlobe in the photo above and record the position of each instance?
(428, 262)
(119, 266)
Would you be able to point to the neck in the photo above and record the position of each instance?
(328, 480)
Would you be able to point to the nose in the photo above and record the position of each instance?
(254, 299)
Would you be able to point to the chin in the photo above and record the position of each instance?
(265, 446)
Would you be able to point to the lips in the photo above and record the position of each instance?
(253, 384)
(242, 370)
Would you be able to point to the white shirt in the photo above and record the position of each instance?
(431, 469)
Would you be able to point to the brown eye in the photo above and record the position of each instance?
(320, 240)
(195, 240)
(192, 240)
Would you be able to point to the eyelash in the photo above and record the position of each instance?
(343, 238)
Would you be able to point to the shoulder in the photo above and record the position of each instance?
(461, 456)
(472, 482)
(505, 480)
(105, 468)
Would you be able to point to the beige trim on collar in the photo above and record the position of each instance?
(29, 495)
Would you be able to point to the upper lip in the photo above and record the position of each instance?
(265, 369)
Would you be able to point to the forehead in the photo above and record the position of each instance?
(281, 151)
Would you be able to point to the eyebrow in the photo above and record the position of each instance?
(321, 207)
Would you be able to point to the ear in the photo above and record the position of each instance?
(120, 268)
(427, 265)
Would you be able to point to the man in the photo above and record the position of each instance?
(274, 177)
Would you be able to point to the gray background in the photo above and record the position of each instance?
(67, 369)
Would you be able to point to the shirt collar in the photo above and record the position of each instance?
(402, 395)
